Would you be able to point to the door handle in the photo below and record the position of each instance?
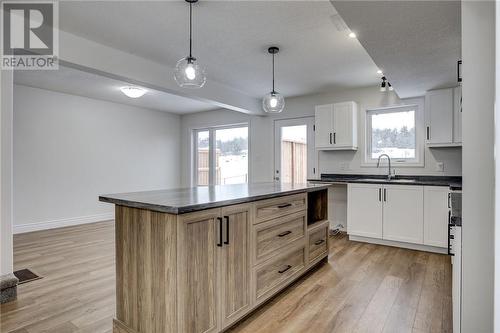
(219, 242)
(285, 269)
(227, 230)
(285, 205)
(283, 234)
(319, 241)
(385, 194)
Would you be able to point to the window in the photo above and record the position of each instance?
(221, 155)
(393, 131)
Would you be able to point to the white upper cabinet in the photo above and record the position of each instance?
(336, 126)
(443, 120)
(457, 114)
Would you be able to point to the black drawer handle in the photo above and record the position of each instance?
(285, 205)
(219, 243)
(319, 241)
(285, 269)
(283, 234)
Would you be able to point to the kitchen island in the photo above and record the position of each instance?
(200, 259)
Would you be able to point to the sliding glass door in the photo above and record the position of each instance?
(221, 155)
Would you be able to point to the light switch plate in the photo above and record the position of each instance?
(440, 166)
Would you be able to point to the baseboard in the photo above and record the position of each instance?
(410, 246)
(29, 227)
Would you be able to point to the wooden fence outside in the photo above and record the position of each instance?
(293, 162)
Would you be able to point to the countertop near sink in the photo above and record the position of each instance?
(455, 183)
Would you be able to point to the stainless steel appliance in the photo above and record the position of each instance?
(455, 250)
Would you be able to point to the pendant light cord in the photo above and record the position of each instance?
(190, 29)
(273, 73)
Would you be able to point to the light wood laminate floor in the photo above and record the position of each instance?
(363, 288)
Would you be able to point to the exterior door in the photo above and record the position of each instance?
(235, 263)
(403, 213)
(295, 154)
(197, 267)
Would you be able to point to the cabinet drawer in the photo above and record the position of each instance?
(275, 234)
(277, 271)
(277, 207)
(318, 243)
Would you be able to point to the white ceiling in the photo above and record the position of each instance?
(77, 82)
(416, 43)
(231, 40)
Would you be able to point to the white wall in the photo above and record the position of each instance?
(262, 140)
(6, 91)
(69, 149)
(478, 91)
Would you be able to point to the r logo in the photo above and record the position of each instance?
(28, 28)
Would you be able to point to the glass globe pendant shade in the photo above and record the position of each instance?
(188, 73)
(273, 102)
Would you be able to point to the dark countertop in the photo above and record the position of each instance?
(185, 200)
(455, 183)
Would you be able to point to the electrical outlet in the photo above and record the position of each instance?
(344, 166)
(440, 166)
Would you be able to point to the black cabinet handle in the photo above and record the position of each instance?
(428, 129)
(219, 243)
(334, 138)
(449, 200)
(285, 269)
(385, 194)
(283, 234)
(319, 241)
(285, 205)
(379, 194)
(227, 230)
(459, 71)
(330, 138)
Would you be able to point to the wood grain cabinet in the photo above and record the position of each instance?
(235, 264)
(198, 257)
(203, 271)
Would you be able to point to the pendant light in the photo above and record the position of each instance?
(274, 101)
(188, 73)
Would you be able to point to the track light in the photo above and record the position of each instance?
(382, 86)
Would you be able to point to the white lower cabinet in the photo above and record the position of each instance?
(364, 210)
(436, 208)
(403, 213)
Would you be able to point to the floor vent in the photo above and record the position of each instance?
(25, 275)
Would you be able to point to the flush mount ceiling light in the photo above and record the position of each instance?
(273, 102)
(352, 35)
(380, 72)
(133, 92)
(385, 84)
(188, 73)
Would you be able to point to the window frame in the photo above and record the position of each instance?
(418, 161)
(212, 156)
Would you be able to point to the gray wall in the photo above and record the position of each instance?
(262, 136)
(6, 87)
(478, 52)
(70, 149)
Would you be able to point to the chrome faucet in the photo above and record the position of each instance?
(389, 175)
